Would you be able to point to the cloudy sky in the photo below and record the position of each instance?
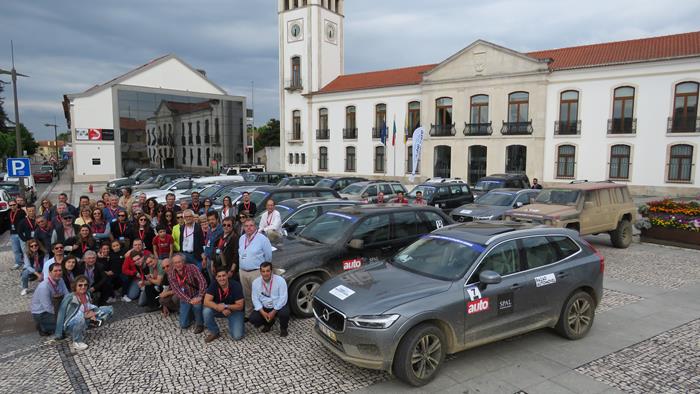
(68, 46)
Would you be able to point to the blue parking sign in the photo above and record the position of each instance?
(19, 167)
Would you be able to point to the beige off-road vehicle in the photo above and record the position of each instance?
(588, 207)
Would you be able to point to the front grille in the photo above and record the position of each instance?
(329, 316)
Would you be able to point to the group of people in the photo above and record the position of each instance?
(400, 199)
(185, 258)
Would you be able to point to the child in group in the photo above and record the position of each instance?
(163, 244)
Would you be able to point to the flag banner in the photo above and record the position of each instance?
(382, 133)
(417, 146)
(393, 135)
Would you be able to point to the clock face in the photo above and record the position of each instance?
(296, 30)
(331, 32)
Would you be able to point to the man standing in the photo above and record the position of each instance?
(270, 221)
(191, 239)
(58, 256)
(16, 216)
(195, 205)
(83, 203)
(170, 203)
(189, 286)
(43, 232)
(253, 250)
(224, 299)
(111, 212)
(65, 230)
(419, 199)
(400, 199)
(126, 199)
(270, 300)
(224, 250)
(27, 228)
(57, 213)
(63, 199)
(535, 184)
(97, 279)
(246, 205)
(48, 292)
(215, 231)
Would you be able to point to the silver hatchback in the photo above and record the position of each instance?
(459, 287)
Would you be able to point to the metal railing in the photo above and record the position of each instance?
(294, 136)
(567, 128)
(477, 129)
(442, 130)
(376, 132)
(622, 126)
(350, 134)
(517, 128)
(323, 134)
(293, 84)
(683, 124)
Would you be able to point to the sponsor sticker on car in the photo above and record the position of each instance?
(466, 211)
(545, 280)
(476, 306)
(352, 264)
(342, 292)
(505, 303)
(474, 293)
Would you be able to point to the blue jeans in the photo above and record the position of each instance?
(26, 276)
(235, 322)
(191, 259)
(45, 322)
(185, 309)
(17, 249)
(77, 326)
(130, 287)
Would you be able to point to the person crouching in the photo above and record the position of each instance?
(77, 312)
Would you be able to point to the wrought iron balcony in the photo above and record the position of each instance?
(622, 126)
(471, 129)
(323, 134)
(377, 132)
(442, 130)
(293, 84)
(294, 136)
(517, 128)
(567, 128)
(350, 134)
(683, 124)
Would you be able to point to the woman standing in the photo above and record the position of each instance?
(85, 242)
(99, 226)
(144, 231)
(34, 260)
(227, 210)
(167, 220)
(207, 207)
(45, 208)
(77, 312)
(152, 209)
(85, 217)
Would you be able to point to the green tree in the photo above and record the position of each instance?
(267, 135)
(8, 139)
(3, 115)
(64, 137)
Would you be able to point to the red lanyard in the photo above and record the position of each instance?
(204, 234)
(36, 262)
(190, 234)
(122, 228)
(84, 247)
(246, 205)
(54, 285)
(31, 225)
(269, 217)
(222, 242)
(142, 234)
(248, 241)
(268, 290)
(114, 212)
(180, 281)
(83, 302)
(195, 207)
(12, 217)
(225, 294)
(225, 212)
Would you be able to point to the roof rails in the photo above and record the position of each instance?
(444, 180)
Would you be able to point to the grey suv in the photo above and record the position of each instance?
(459, 287)
(356, 190)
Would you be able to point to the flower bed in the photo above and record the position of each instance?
(671, 222)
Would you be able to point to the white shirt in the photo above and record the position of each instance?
(187, 238)
(271, 222)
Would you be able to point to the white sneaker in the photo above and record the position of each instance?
(80, 345)
(24, 292)
(126, 299)
(111, 300)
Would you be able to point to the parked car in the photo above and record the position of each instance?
(4, 210)
(300, 180)
(29, 188)
(339, 183)
(260, 195)
(233, 191)
(446, 194)
(236, 169)
(587, 207)
(356, 190)
(345, 239)
(271, 178)
(175, 186)
(159, 180)
(114, 186)
(500, 181)
(492, 205)
(297, 213)
(43, 175)
(49, 167)
(460, 287)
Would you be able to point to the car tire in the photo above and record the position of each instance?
(420, 355)
(577, 316)
(301, 295)
(621, 237)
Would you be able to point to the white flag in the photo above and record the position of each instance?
(417, 145)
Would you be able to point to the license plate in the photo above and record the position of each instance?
(327, 332)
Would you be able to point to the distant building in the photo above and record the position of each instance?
(47, 148)
(162, 114)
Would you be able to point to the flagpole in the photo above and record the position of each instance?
(393, 140)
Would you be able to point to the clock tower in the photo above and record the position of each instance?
(310, 56)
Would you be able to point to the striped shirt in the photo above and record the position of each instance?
(187, 284)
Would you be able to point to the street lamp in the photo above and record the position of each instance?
(18, 135)
(55, 141)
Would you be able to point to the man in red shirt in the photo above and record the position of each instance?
(401, 199)
(419, 198)
(133, 270)
(189, 285)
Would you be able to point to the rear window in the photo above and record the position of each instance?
(399, 188)
(326, 193)
(484, 186)
(565, 246)
(325, 183)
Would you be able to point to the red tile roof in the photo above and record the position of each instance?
(184, 108)
(605, 54)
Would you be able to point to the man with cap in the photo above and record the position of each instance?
(65, 230)
(16, 216)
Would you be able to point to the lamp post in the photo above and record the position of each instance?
(55, 141)
(18, 135)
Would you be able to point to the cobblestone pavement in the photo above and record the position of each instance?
(666, 363)
(614, 299)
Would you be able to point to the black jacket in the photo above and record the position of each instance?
(252, 209)
(19, 218)
(60, 236)
(198, 246)
(116, 260)
(25, 229)
(228, 249)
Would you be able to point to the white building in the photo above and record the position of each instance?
(489, 109)
(146, 118)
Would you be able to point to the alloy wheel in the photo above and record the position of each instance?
(580, 316)
(305, 297)
(426, 356)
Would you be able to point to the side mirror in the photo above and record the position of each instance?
(489, 278)
(173, 188)
(518, 204)
(356, 244)
(291, 226)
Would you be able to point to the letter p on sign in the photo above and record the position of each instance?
(18, 167)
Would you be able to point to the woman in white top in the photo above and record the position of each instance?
(228, 210)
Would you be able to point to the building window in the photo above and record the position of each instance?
(296, 125)
(216, 131)
(323, 133)
(623, 111)
(208, 157)
(189, 133)
(184, 142)
(568, 113)
(291, 158)
(296, 158)
(443, 117)
(350, 131)
(620, 162)
(409, 160)
(477, 163)
(350, 159)
(323, 158)
(96, 161)
(199, 138)
(680, 164)
(685, 108)
(206, 131)
(296, 72)
(303, 158)
(184, 156)
(442, 162)
(379, 159)
(379, 120)
(191, 157)
(479, 116)
(516, 159)
(413, 117)
(566, 161)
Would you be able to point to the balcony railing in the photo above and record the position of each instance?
(683, 124)
(442, 130)
(622, 126)
(350, 134)
(477, 129)
(517, 128)
(377, 132)
(293, 84)
(294, 136)
(567, 128)
(323, 134)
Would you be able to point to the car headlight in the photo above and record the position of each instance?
(377, 322)
(111, 184)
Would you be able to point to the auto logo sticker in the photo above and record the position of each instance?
(341, 292)
(505, 303)
(477, 306)
(474, 293)
(545, 280)
(438, 223)
(352, 264)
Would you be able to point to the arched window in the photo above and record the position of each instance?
(479, 115)
(296, 125)
(680, 164)
(184, 142)
(442, 161)
(291, 158)
(619, 162)
(623, 111)
(566, 161)
(322, 133)
(350, 131)
(296, 158)
(206, 132)
(199, 157)
(379, 121)
(296, 72)
(303, 158)
(516, 159)
(443, 117)
(568, 113)
(199, 138)
(189, 134)
(379, 159)
(323, 158)
(217, 139)
(350, 159)
(518, 114)
(191, 157)
(685, 108)
(184, 156)
(208, 157)
(477, 163)
(413, 117)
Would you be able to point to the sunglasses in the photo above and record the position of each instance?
(122, 216)
(58, 248)
(227, 225)
(81, 285)
(34, 246)
(179, 217)
(12, 205)
(142, 220)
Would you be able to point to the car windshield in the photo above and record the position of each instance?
(135, 175)
(428, 191)
(218, 197)
(496, 199)
(328, 228)
(325, 183)
(558, 197)
(206, 192)
(353, 189)
(438, 257)
(169, 185)
(257, 197)
(143, 176)
(249, 177)
(10, 187)
(484, 186)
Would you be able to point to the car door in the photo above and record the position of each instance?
(404, 230)
(591, 215)
(496, 311)
(442, 196)
(431, 221)
(374, 232)
(304, 216)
